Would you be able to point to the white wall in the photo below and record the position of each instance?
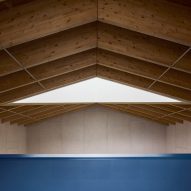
(12, 139)
(179, 138)
(96, 130)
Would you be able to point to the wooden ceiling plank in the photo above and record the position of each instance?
(48, 70)
(86, 59)
(162, 19)
(64, 65)
(185, 112)
(15, 80)
(53, 114)
(182, 112)
(9, 107)
(19, 93)
(176, 92)
(41, 18)
(34, 114)
(151, 108)
(44, 110)
(147, 110)
(170, 68)
(52, 83)
(26, 108)
(12, 118)
(184, 63)
(136, 113)
(167, 107)
(150, 70)
(56, 46)
(180, 2)
(182, 105)
(6, 114)
(129, 64)
(182, 117)
(24, 68)
(27, 113)
(35, 110)
(163, 114)
(70, 78)
(122, 77)
(7, 64)
(138, 45)
(143, 83)
(177, 78)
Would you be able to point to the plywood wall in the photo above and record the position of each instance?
(96, 130)
(12, 139)
(179, 138)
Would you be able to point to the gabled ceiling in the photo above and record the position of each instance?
(48, 44)
(161, 113)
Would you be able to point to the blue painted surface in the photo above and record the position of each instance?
(153, 173)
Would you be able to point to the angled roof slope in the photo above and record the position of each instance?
(161, 113)
(49, 44)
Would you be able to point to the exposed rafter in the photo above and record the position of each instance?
(37, 19)
(49, 44)
(161, 18)
(161, 113)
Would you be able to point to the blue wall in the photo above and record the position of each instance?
(165, 173)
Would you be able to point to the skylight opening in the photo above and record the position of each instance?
(97, 90)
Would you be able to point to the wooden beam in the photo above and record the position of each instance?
(138, 45)
(182, 105)
(15, 80)
(70, 78)
(159, 113)
(6, 113)
(144, 69)
(167, 107)
(52, 83)
(41, 18)
(186, 113)
(129, 64)
(45, 109)
(162, 19)
(26, 108)
(29, 114)
(184, 63)
(55, 113)
(64, 65)
(177, 78)
(34, 116)
(145, 110)
(152, 107)
(7, 64)
(182, 117)
(180, 2)
(16, 111)
(143, 83)
(19, 93)
(56, 46)
(137, 113)
(122, 77)
(48, 70)
(12, 118)
(178, 93)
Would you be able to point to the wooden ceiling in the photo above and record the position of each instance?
(48, 44)
(53, 43)
(161, 113)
